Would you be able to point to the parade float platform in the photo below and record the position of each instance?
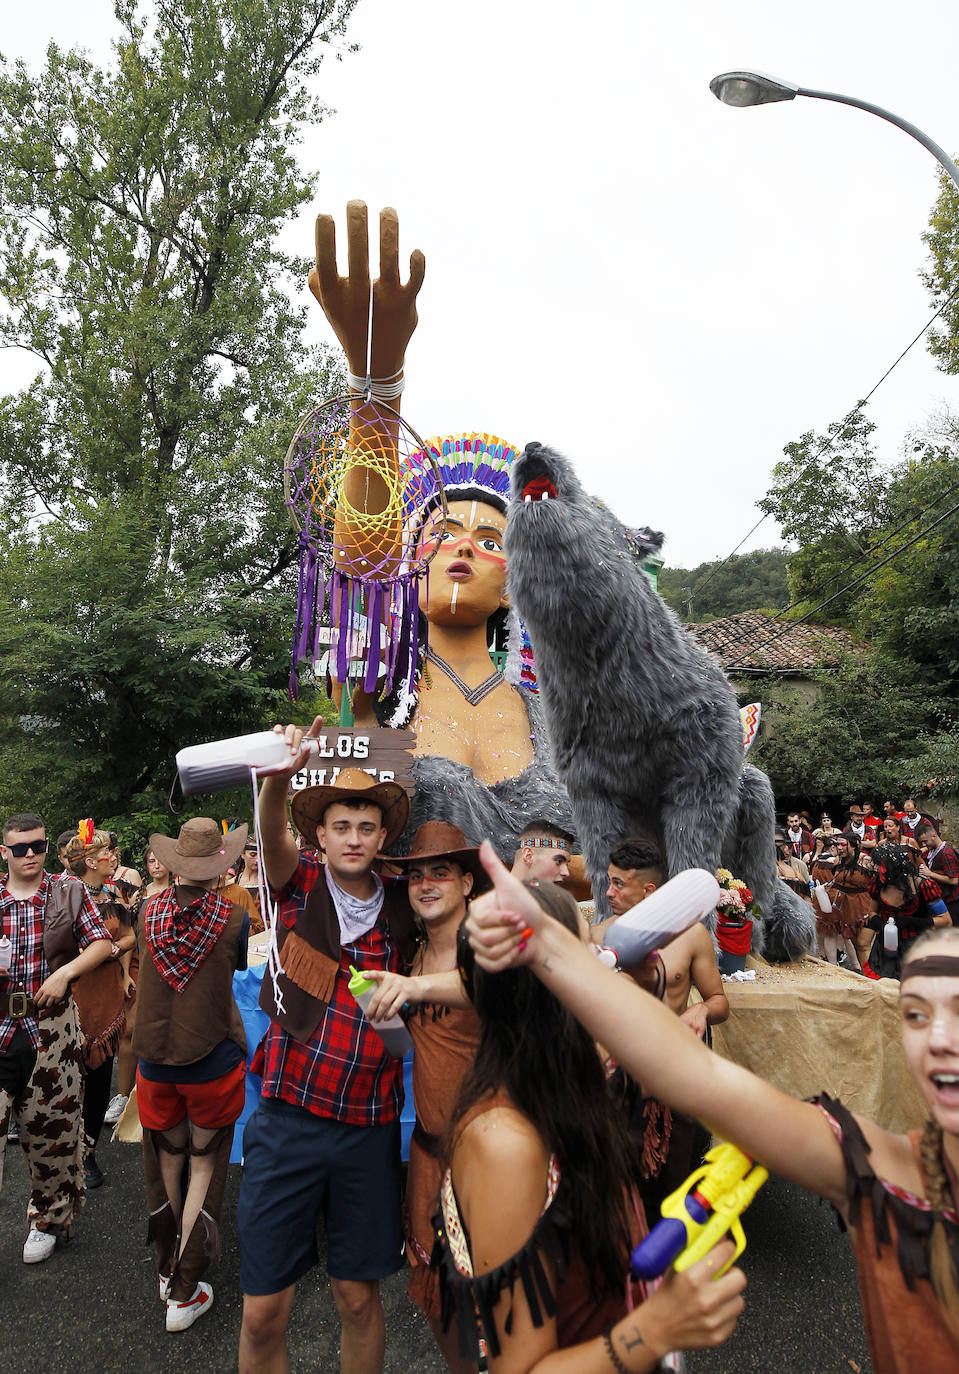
(811, 1027)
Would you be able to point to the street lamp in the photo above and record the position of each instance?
(756, 88)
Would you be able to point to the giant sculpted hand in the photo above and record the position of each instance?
(346, 300)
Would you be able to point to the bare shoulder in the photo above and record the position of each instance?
(502, 1136)
(700, 941)
(499, 1155)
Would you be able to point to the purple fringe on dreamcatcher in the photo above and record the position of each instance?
(362, 605)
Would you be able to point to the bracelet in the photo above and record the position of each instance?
(380, 388)
(614, 1359)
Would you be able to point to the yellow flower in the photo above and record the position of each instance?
(723, 875)
(736, 882)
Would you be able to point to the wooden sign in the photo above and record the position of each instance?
(387, 755)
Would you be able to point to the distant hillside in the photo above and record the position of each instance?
(748, 582)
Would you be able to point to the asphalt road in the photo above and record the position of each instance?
(93, 1307)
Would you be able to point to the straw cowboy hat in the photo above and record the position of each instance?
(440, 840)
(309, 805)
(201, 850)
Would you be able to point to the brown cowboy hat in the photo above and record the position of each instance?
(308, 806)
(440, 840)
(201, 850)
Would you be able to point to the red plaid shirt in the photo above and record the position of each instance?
(344, 1072)
(945, 860)
(21, 921)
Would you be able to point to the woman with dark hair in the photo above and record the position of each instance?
(848, 888)
(892, 833)
(544, 1271)
(894, 1192)
(912, 903)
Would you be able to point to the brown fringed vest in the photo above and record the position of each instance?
(180, 1028)
(310, 954)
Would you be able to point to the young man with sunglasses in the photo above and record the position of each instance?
(51, 934)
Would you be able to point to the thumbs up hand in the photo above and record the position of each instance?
(503, 925)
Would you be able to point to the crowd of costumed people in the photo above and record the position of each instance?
(538, 923)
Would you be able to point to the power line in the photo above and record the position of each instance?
(829, 442)
(849, 586)
(736, 639)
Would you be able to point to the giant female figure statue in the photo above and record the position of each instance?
(482, 761)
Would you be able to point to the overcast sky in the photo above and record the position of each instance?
(664, 288)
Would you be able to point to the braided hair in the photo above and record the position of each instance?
(942, 1268)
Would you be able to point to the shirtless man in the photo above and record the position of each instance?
(635, 872)
(671, 1145)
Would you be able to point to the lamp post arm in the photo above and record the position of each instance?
(943, 158)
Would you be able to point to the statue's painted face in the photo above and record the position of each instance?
(467, 578)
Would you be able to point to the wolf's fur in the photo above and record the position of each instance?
(643, 725)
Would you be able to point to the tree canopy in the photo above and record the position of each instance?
(746, 582)
(147, 569)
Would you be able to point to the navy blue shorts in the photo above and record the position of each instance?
(297, 1167)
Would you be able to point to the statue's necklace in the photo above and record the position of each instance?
(474, 695)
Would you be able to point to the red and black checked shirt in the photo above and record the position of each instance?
(344, 1072)
(946, 860)
(180, 937)
(22, 923)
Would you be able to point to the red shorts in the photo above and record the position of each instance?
(210, 1105)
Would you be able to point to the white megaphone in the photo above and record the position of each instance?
(659, 918)
(226, 763)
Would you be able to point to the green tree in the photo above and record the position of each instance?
(746, 582)
(862, 736)
(941, 277)
(147, 570)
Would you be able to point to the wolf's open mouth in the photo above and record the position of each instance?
(539, 489)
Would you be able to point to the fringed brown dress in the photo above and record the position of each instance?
(445, 1041)
(890, 1230)
(470, 1298)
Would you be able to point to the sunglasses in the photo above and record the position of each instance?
(20, 851)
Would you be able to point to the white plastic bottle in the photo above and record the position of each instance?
(821, 897)
(890, 936)
(6, 954)
(392, 1032)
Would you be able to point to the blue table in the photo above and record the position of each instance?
(246, 990)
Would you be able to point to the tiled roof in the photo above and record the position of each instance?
(746, 643)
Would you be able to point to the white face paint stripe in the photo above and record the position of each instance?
(472, 515)
(456, 587)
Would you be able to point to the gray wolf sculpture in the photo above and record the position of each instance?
(643, 725)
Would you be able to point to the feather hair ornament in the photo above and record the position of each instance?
(85, 830)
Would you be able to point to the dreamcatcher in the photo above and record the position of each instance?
(356, 499)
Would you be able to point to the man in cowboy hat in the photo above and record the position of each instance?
(325, 1136)
(192, 1056)
(443, 872)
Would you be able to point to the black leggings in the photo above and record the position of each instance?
(96, 1099)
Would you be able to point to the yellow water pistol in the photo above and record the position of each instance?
(700, 1213)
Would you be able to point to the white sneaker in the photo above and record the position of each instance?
(115, 1109)
(165, 1281)
(181, 1315)
(38, 1246)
